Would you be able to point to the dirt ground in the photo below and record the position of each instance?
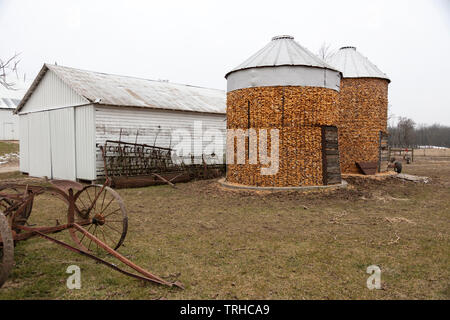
(8, 148)
(224, 244)
(9, 167)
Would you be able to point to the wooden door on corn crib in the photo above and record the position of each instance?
(330, 155)
(383, 156)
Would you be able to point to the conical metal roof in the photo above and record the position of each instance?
(283, 62)
(353, 64)
(282, 51)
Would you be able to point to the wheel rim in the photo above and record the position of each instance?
(109, 221)
(6, 249)
(8, 206)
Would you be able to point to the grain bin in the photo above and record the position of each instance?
(363, 104)
(285, 88)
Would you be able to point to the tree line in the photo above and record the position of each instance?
(406, 134)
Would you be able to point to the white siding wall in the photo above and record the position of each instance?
(48, 139)
(62, 143)
(85, 142)
(9, 125)
(24, 144)
(59, 144)
(39, 144)
(52, 93)
(159, 128)
(47, 144)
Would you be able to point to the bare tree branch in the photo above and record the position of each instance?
(6, 68)
(406, 127)
(325, 51)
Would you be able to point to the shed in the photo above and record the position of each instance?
(363, 111)
(68, 113)
(9, 100)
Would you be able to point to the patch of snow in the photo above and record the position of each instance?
(8, 157)
(413, 178)
(431, 147)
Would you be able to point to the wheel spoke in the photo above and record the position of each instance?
(91, 238)
(112, 212)
(87, 191)
(107, 205)
(82, 202)
(113, 228)
(103, 233)
(95, 234)
(103, 201)
(112, 243)
(95, 199)
(90, 226)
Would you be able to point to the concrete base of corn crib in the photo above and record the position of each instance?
(377, 176)
(236, 186)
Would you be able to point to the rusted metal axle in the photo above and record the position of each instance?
(145, 275)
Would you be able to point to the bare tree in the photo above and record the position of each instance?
(325, 51)
(406, 130)
(433, 135)
(422, 135)
(7, 67)
(391, 115)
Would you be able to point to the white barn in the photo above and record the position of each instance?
(68, 113)
(9, 122)
(9, 99)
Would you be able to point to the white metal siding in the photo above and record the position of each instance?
(9, 125)
(24, 144)
(59, 144)
(39, 145)
(156, 127)
(52, 93)
(62, 140)
(85, 142)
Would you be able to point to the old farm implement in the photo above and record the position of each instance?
(129, 164)
(96, 221)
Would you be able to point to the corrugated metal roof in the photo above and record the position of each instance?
(353, 64)
(10, 98)
(116, 90)
(282, 51)
(8, 103)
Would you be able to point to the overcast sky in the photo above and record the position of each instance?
(197, 42)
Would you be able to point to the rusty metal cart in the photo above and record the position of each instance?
(96, 220)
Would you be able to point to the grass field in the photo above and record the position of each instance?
(225, 244)
(8, 147)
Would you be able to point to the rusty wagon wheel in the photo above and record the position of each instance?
(6, 249)
(10, 204)
(109, 220)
